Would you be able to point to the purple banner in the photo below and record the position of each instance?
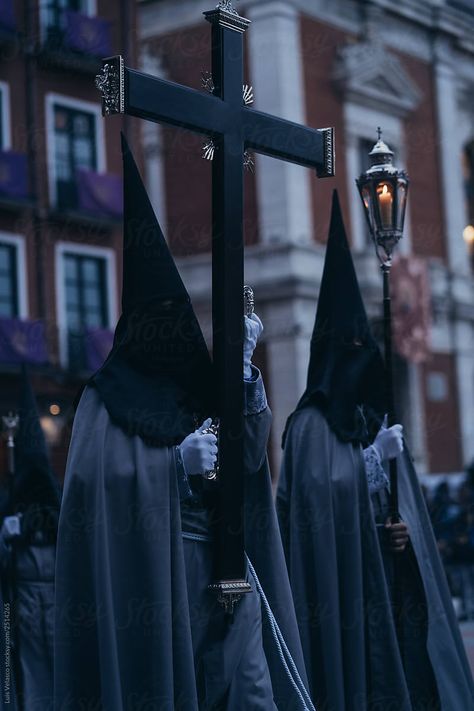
(87, 34)
(100, 194)
(22, 342)
(98, 346)
(7, 17)
(13, 175)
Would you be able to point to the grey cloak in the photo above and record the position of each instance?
(8, 700)
(34, 607)
(136, 628)
(336, 571)
(428, 607)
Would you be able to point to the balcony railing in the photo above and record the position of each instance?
(22, 341)
(13, 179)
(73, 40)
(91, 196)
(100, 194)
(88, 348)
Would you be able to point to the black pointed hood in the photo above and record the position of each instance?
(149, 270)
(35, 491)
(346, 371)
(158, 377)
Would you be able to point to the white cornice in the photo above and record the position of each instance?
(368, 74)
(407, 25)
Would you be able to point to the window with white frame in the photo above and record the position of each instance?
(74, 147)
(75, 142)
(4, 116)
(9, 304)
(12, 277)
(85, 284)
(52, 15)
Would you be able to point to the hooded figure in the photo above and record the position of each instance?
(340, 562)
(28, 540)
(135, 624)
(331, 543)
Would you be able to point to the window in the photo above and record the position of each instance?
(86, 302)
(4, 116)
(9, 302)
(54, 17)
(75, 146)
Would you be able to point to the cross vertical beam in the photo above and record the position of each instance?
(227, 300)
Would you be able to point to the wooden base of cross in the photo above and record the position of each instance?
(229, 592)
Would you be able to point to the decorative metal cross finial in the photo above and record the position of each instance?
(247, 94)
(249, 300)
(208, 149)
(248, 161)
(111, 84)
(207, 81)
(227, 6)
(379, 133)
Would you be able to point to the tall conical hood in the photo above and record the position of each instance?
(149, 271)
(35, 490)
(346, 371)
(158, 377)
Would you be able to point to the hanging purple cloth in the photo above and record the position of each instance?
(7, 16)
(22, 341)
(90, 35)
(100, 194)
(13, 175)
(98, 346)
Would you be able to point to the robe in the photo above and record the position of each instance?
(8, 696)
(436, 664)
(336, 571)
(32, 591)
(135, 625)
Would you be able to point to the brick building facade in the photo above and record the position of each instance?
(60, 194)
(355, 66)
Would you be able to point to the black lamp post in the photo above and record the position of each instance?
(383, 190)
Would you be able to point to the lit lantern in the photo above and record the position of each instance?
(383, 189)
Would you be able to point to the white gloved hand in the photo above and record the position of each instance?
(389, 441)
(199, 451)
(253, 329)
(11, 527)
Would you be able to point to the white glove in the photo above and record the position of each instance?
(253, 329)
(11, 527)
(389, 442)
(199, 451)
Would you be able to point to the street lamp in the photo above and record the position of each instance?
(383, 189)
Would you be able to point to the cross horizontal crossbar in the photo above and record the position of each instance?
(158, 100)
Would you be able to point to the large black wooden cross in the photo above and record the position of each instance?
(234, 128)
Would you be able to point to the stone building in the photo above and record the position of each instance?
(407, 67)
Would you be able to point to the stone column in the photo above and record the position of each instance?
(152, 138)
(450, 154)
(276, 71)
